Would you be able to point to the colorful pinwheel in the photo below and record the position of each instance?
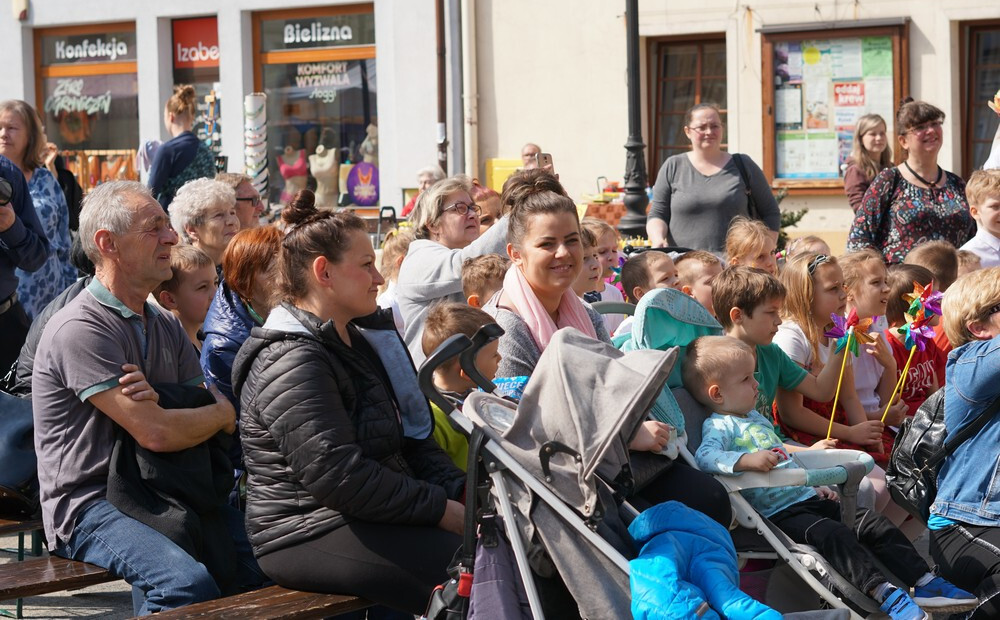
(923, 299)
(916, 333)
(843, 328)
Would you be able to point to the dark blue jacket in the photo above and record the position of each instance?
(24, 244)
(227, 326)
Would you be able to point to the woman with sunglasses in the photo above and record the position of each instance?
(446, 221)
(916, 201)
(698, 193)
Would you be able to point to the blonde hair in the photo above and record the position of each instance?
(968, 260)
(183, 259)
(745, 237)
(182, 102)
(860, 155)
(597, 227)
(686, 262)
(853, 262)
(983, 185)
(396, 245)
(801, 245)
(800, 286)
(707, 360)
(233, 179)
(969, 300)
(32, 157)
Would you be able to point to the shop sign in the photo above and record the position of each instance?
(68, 96)
(88, 48)
(196, 43)
(318, 32)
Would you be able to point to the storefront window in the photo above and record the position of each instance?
(822, 85)
(318, 72)
(88, 98)
(196, 62)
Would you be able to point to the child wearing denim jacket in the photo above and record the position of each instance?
(965, 515)
(719, 372)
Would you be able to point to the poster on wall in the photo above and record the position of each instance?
(822, 89)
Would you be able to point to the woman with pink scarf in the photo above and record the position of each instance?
(537, 297)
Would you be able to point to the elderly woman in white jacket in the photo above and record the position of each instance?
(446, 221)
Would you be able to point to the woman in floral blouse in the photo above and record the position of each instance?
(916, 201)
(21, 141)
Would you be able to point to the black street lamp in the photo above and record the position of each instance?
(633, 223)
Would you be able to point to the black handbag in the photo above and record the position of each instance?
(752, 209)
(919, 451)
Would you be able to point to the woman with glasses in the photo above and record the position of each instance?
(446, 222)
(916, 201)
(698, 193)
(249, 205)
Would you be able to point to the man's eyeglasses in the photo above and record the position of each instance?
(463, 208)
(255, 200)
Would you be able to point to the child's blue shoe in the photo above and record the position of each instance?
(898, 606)
(941, 595)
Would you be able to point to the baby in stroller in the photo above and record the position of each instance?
(719, 373)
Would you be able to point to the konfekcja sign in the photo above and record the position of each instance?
(88, 48)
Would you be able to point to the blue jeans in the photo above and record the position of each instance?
(149, 561)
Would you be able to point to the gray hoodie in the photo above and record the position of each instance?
(431, 273)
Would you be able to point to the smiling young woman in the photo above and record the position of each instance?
(916, 201)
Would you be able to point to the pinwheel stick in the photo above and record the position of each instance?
(901, 383)
(840, 380)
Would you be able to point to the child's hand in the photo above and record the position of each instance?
(762, 460)
(866, 434)
(897, 412)
(882, 353)
(824, 444)
(135, 385)
(652, 436)
(827, 493)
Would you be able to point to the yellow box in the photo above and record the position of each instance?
(497, 171)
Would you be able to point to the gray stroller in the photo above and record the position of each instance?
(558, 462)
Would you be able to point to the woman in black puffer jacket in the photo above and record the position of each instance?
(347, 492)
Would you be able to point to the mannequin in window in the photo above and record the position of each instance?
(369, 148)
(324, 167)
(293, 167)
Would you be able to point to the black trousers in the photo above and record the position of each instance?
(393, 565)
(817, 522)
(969, 557)
(689, 486)
(14, 326)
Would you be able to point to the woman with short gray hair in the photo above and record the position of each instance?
(446, 221)
(204, 214)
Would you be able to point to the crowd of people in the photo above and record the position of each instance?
(334, 472)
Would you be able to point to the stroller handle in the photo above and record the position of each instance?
(485, 335)
(449, 349)
(811, 477)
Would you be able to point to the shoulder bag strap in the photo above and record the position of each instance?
(751, 203)
(965, 433)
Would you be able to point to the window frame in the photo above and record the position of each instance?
(899, 33)
(653, 82)
(967, 104)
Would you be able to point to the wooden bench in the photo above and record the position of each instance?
(46, 575)
(272, 602)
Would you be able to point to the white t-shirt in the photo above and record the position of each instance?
(388, 300)
(792, 340)
(625, 328)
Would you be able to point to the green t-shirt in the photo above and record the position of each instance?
(451, 441)
(774, 369)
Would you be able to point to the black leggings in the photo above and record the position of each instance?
(689, 486)
(393, 565)
(969, 557)
(817, 522)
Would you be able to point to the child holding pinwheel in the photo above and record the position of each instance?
(815, 285)
(911, 333)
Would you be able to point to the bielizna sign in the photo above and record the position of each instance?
(91, 49)
(316, 32)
